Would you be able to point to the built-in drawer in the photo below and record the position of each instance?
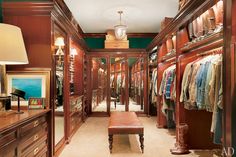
(32, 125)
(72, 123)
(36, 148)
(7, 137)
(43, 152)
(9, 150)
(34, 136)
(76, 120)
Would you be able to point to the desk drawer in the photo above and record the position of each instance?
(33, 124)
(9, 150)
(7, 138)
(43, 152)
(36, 148)
(33, 137)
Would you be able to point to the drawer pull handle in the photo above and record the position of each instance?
(36, 123)
(36, 137)
(36, 150)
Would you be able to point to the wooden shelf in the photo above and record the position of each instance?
(207, 40)
(167, 57)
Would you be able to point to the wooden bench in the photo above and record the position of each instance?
(125, 123)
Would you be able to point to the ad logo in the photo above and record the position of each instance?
(228, 152)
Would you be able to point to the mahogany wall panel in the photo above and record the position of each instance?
(199, 135)
(37, 40)
(182, 37)
(78, 68)
(162, 52)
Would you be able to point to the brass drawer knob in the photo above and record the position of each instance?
(36, 137)
(36, 150)
(36, 123)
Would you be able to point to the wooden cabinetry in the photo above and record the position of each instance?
(117, 84)
(41, 23)
(8, 143)
(85, 80)
(26, 135)
(76, 113)
(136, 86)
(197, 35)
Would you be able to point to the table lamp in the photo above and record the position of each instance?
(12, 51)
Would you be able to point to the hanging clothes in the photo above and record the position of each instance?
(119, 83)
(168, 97)
(168, 83)
(112, 80)
(59, 82)
(197, 89)
(201, 89)
(153, 87)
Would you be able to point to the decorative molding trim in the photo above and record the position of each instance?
(25, 8)
(57, 9)
(117, 50)
(130, 35)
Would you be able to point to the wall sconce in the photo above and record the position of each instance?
(73, 52)
(12, 52)
(59, 42)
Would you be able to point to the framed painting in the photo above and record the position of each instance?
(36, 103)
(35, 84)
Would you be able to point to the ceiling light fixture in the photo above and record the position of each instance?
(120, 30)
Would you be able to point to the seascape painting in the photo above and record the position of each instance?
(34, 84)
(31, 86)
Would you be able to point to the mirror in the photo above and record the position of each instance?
(136, 80)
(99, 84)
(117, 84)
(59, 96)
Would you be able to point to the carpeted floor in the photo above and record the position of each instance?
(91, 140)
(102, 107)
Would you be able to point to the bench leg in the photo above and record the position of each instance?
(110, 142)
(141, 139)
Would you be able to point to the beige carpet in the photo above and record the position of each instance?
(102, 107)
(91, 140)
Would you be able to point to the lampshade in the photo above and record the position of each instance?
(73, 52)
(59, 41)
(12, 48)
(120, 30)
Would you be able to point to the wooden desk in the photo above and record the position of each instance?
(125, 123)
(26, 134)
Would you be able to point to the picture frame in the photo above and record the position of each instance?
(36, 103)
(36, 84)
